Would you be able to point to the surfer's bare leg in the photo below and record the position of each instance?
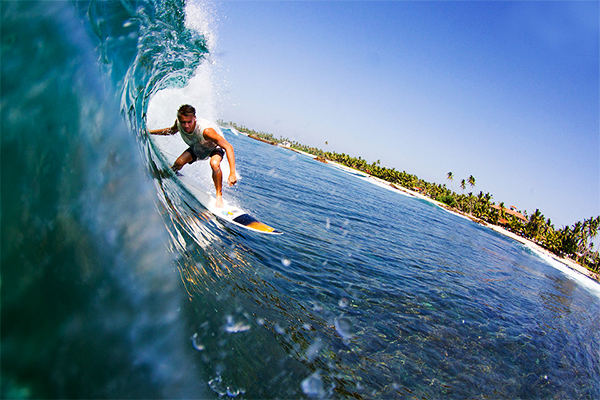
(184, 158)
(217, 176)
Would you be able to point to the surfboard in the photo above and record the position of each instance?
(229, 213)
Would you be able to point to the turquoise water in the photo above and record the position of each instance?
(117, 284)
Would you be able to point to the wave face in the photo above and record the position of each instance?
(89, 298)
(116, 283)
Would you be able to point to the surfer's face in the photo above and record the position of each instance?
(188, 122)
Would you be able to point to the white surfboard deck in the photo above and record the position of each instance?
(229, 212)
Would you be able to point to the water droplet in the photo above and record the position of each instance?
(286, 262)
(344, 327)
(279, 329)
(216, 384)
(234, 392)
(313, 350)
(196, 342)
(313, 385)
(231, 327)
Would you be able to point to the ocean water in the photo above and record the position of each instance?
(116, 283)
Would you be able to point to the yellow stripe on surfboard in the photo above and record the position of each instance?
(259, 226)
(250, 222)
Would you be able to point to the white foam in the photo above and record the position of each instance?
(162, 108)
(200, 91)
(200, 16)
(582, 279)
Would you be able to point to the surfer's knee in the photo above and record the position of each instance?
(215, 164)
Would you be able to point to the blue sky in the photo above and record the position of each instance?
(505, 91)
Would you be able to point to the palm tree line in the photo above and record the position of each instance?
(573, 241)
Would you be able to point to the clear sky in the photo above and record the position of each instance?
(506, 91)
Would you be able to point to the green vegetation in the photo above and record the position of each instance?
(574, 241)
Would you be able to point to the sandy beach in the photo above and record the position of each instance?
(534, 246)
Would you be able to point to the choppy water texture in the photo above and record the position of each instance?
(116, 283)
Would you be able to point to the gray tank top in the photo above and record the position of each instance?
(195, 139)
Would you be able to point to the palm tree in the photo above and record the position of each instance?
(502, 210)
(463, 185)
(482, 206)
(585, 232)
(591, 227)
(568, 244)
(535, 228)
(471, 181)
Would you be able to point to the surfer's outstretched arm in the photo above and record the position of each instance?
(165, 131)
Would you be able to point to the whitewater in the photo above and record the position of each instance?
(116, 283)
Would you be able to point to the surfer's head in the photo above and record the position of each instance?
(186, 115)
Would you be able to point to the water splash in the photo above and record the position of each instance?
(313, 350)
(313, 385)
(235, 327)
(218, 386)
(197, 343)
(344, 327)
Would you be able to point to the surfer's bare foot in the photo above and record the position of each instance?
(219, 202)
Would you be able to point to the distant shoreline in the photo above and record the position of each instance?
(532, 245)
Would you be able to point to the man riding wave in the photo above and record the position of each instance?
(204, 141)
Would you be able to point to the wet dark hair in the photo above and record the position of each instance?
(186, 110)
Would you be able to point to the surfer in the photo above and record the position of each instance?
(205, 141)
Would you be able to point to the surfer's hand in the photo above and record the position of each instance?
(232, 180)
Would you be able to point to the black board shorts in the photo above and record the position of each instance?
(217, 150)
